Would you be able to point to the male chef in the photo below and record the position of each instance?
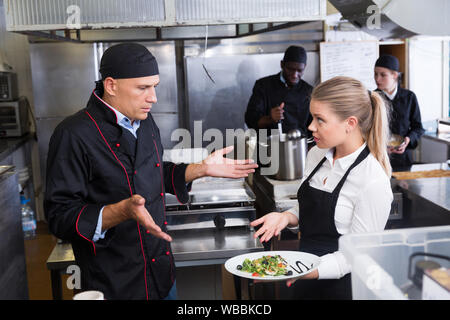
(106, 182)
(282, 97)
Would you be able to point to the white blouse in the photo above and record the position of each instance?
(364, 201)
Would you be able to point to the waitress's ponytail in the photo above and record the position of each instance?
(348, 97)
(378, 133)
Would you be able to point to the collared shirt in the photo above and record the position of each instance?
(282, 79)
(364, 201)
(126, 123)
(391, 96)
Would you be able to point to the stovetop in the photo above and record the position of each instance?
(214, 193)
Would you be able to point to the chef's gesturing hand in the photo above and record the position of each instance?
(219, 166)
(132, 208)
(276, 113)
(216, 165)
(272, 224)
(137, 211)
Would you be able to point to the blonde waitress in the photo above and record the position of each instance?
(346, 187)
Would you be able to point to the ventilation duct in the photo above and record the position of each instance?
(40, 15)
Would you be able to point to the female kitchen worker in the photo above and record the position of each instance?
(405, 113)
(346, 187)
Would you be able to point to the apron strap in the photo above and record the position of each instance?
(358, 160)
(316, 169)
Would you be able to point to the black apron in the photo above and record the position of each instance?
(319, 236)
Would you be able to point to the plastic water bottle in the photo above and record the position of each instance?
(28, 219)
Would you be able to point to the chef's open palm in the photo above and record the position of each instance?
(219, 166)
(138, 212)
(272, 224)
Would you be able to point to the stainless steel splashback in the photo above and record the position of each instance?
(221, 104)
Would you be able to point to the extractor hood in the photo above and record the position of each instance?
(388, 19)
(157, 19)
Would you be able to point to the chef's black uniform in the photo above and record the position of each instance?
(319, 236)
(405, 121)
(269, 92)
(93, 162)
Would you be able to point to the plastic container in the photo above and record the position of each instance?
(380, 261)
(28, 219)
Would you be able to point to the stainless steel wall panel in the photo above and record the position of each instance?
(166, 91)
(63, 76)
(45, 128)
(309, 35)
(167, 123)
(222, 104)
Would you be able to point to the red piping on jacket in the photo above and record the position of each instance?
(131, 192)
(76, 227)
(164, 204)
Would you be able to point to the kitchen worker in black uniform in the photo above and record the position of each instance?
(282, 97)
(106, 182)
(405, 112)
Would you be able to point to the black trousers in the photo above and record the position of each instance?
(329, 289)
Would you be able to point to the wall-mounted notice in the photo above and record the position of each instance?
(354, 59)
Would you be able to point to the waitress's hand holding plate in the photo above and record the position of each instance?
(314, 274)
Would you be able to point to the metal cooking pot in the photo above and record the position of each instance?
(291, 156)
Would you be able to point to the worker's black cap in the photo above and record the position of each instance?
(295, 54)
(128, 60)
(389, 62)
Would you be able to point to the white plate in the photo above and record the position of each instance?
(298, 262)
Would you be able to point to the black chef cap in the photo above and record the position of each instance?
(128, 60)
(389, 62)
(295, 54)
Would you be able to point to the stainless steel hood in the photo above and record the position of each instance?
(160, 19)
(388, 19)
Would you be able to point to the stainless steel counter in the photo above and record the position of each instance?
(427, 200)
(435, 190)
(441, 137)
(189, 247)
(210, 246)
